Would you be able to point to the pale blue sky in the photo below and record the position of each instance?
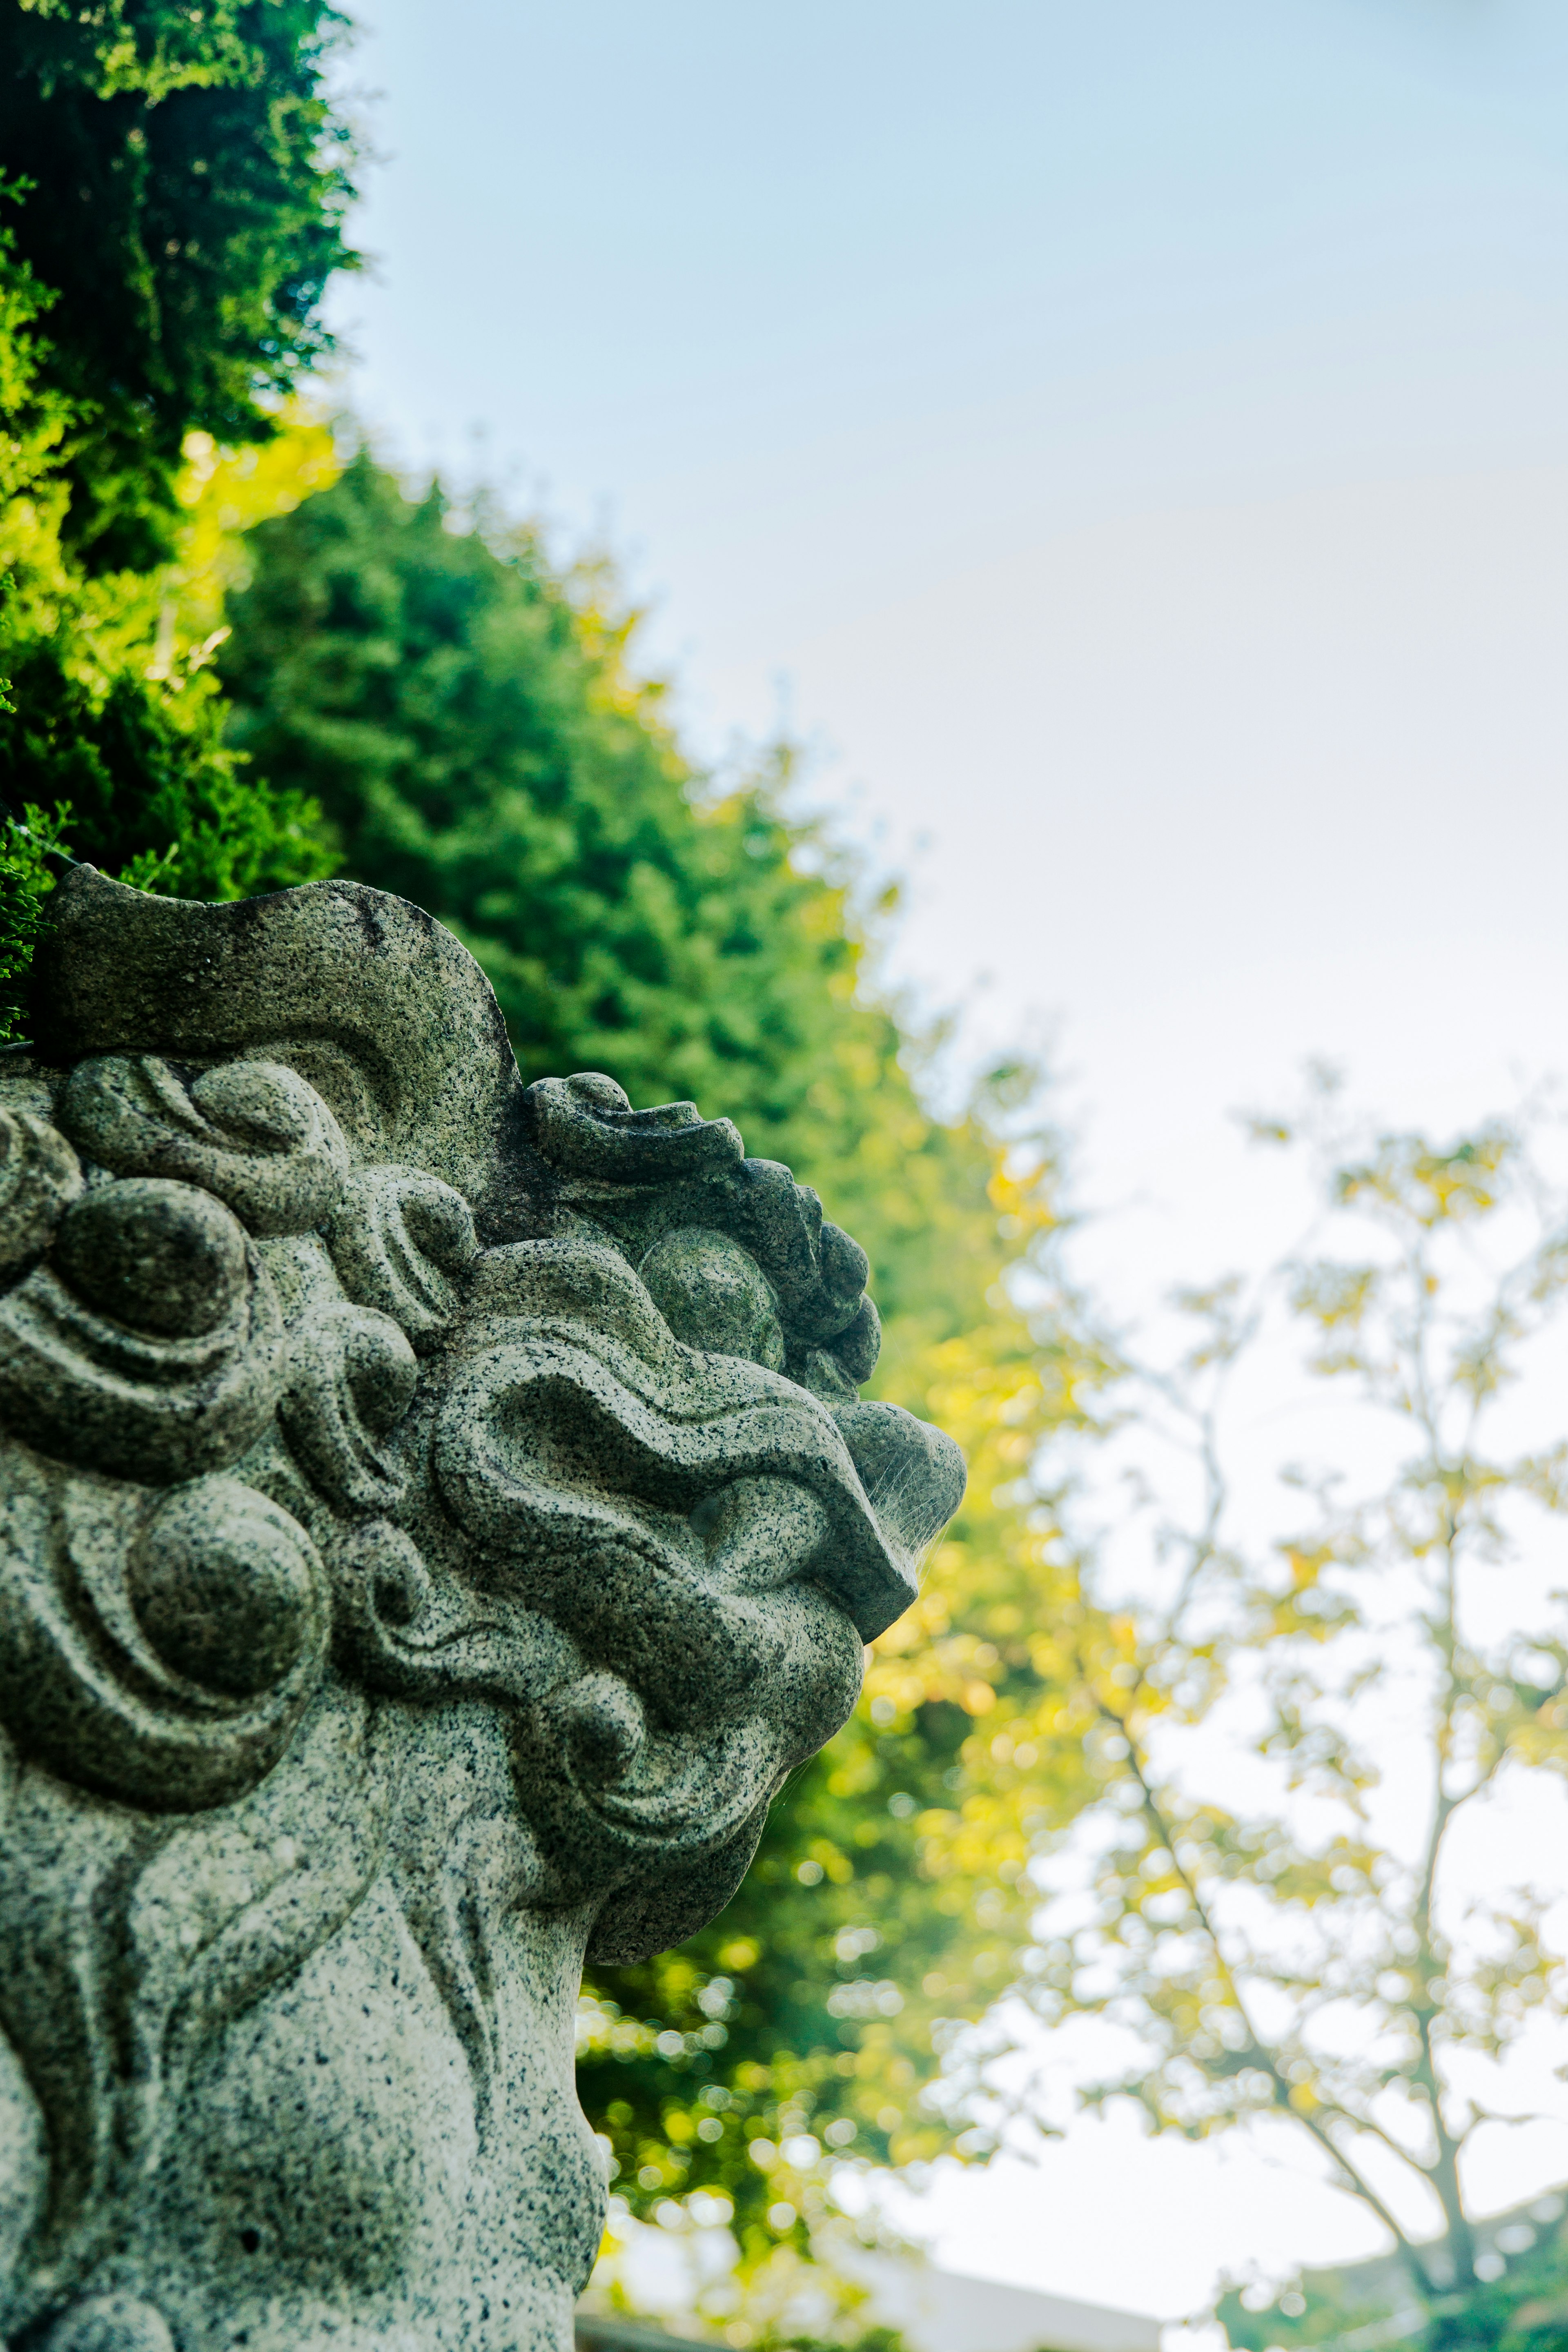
(1134, 437)
(1076, 253)
(1051, 396)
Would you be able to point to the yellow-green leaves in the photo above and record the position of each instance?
(1306, 1954)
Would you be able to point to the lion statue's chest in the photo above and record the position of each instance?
(380, 2142)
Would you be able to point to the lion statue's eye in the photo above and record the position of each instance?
(714, 1296)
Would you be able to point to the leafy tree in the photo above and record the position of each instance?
(1301, 1965)
(183, 182)
(173, 184)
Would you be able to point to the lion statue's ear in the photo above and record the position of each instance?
(662, 1908)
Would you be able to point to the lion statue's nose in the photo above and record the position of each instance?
(914, 1474)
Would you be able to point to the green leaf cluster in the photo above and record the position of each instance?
(172, 185)
(185, 180)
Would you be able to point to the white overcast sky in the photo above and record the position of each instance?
(1129, 441)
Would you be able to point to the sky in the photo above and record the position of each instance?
(1128, 444)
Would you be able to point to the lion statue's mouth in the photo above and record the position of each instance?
(670, 1786)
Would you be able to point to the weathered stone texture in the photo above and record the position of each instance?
(436, 1514)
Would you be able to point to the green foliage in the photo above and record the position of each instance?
(25, 881)
(1259, 2322)
(110, 716)
(184, 184)
(148, 791)
(125, 749)
(36, 415)
(1296, 1966)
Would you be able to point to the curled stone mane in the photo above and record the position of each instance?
(437, 1514)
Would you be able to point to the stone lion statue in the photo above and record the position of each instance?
(435, 1515)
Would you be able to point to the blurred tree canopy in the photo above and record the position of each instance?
(1276, 1939)
(1519, 2304)
(465, 716)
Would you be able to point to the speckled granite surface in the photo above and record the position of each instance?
(434, 1515)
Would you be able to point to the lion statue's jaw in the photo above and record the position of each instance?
(436, 1515)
